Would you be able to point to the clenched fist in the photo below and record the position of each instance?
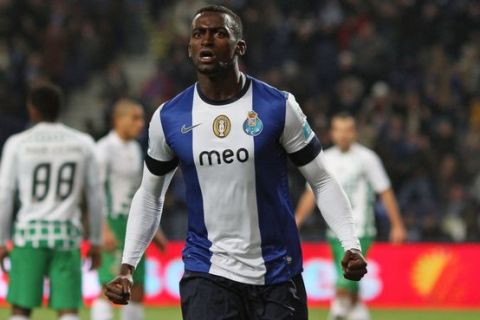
(354, 265)
(118, 290)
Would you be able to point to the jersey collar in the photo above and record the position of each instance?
(246, 84)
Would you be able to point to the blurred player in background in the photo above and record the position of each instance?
(121, 164)
(231, 135)
(361, 174)
(52, 167)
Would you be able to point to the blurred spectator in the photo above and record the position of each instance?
(64, 42)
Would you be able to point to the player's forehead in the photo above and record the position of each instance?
(136, 109)
(343, 123)
(213, 20)
(128, 110)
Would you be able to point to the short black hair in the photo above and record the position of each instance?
(343, 115)
(47, 99)
(237, 25)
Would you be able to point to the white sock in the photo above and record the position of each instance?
(17, 317)
(340, 307)
(101, 310)
(69, 316)
(359, 312)
(132, 311)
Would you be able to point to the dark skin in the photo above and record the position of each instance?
(214, 50)
(93, 253)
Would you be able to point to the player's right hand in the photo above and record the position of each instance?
(95, 255)
(118, 290)
(3, 255)
(110, 243)
(354, 265)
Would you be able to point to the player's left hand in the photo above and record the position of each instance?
(95, 255)
(354, 265)
(398, 234)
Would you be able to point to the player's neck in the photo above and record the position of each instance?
(221, 86)
(38, 121)
(122, 135)
(345, 149)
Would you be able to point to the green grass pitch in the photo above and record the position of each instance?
(315, 314)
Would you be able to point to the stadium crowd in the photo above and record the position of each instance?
(408, 70)
(65, 42)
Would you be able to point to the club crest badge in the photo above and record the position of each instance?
(221, 126)
(253, 126)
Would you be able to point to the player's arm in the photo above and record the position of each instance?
(398, 233)
(160, 240)
(305, 206)
(109, 242)
(145, 210)
(95, 204)
(8, 186)
(378, 178)
(305, 151)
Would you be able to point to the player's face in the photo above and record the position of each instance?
(133, 122)
(212, 42)
(343, 133)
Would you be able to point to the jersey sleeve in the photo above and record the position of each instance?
(376, 174)
(94, 193)
(160, 158)
(8, 184)
(101, 154)
(298, 139)
(8, 166)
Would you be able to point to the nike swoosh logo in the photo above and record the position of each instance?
(186, 129)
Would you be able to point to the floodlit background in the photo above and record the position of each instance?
(408, 70)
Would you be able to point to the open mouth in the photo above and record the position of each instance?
(206, 56)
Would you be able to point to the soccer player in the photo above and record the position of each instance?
(231, 135)
(360, 172)
(52, 167)
(121, 163)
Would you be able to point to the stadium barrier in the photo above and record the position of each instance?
(409, 276)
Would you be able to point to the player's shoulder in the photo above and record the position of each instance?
(262, 87)
(331, 152)
(16, 139)
(105, 141)
(22, 137)
(364, 153)
(103, 147)
(80, 135)
(77, 136)
(184, 98)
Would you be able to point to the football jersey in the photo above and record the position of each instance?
(233, 155)
(361, 174)
(50, 165)
(121, 165)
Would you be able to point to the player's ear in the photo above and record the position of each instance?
(241, 48)
(189, 51)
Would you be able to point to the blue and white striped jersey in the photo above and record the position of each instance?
(233, 155)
